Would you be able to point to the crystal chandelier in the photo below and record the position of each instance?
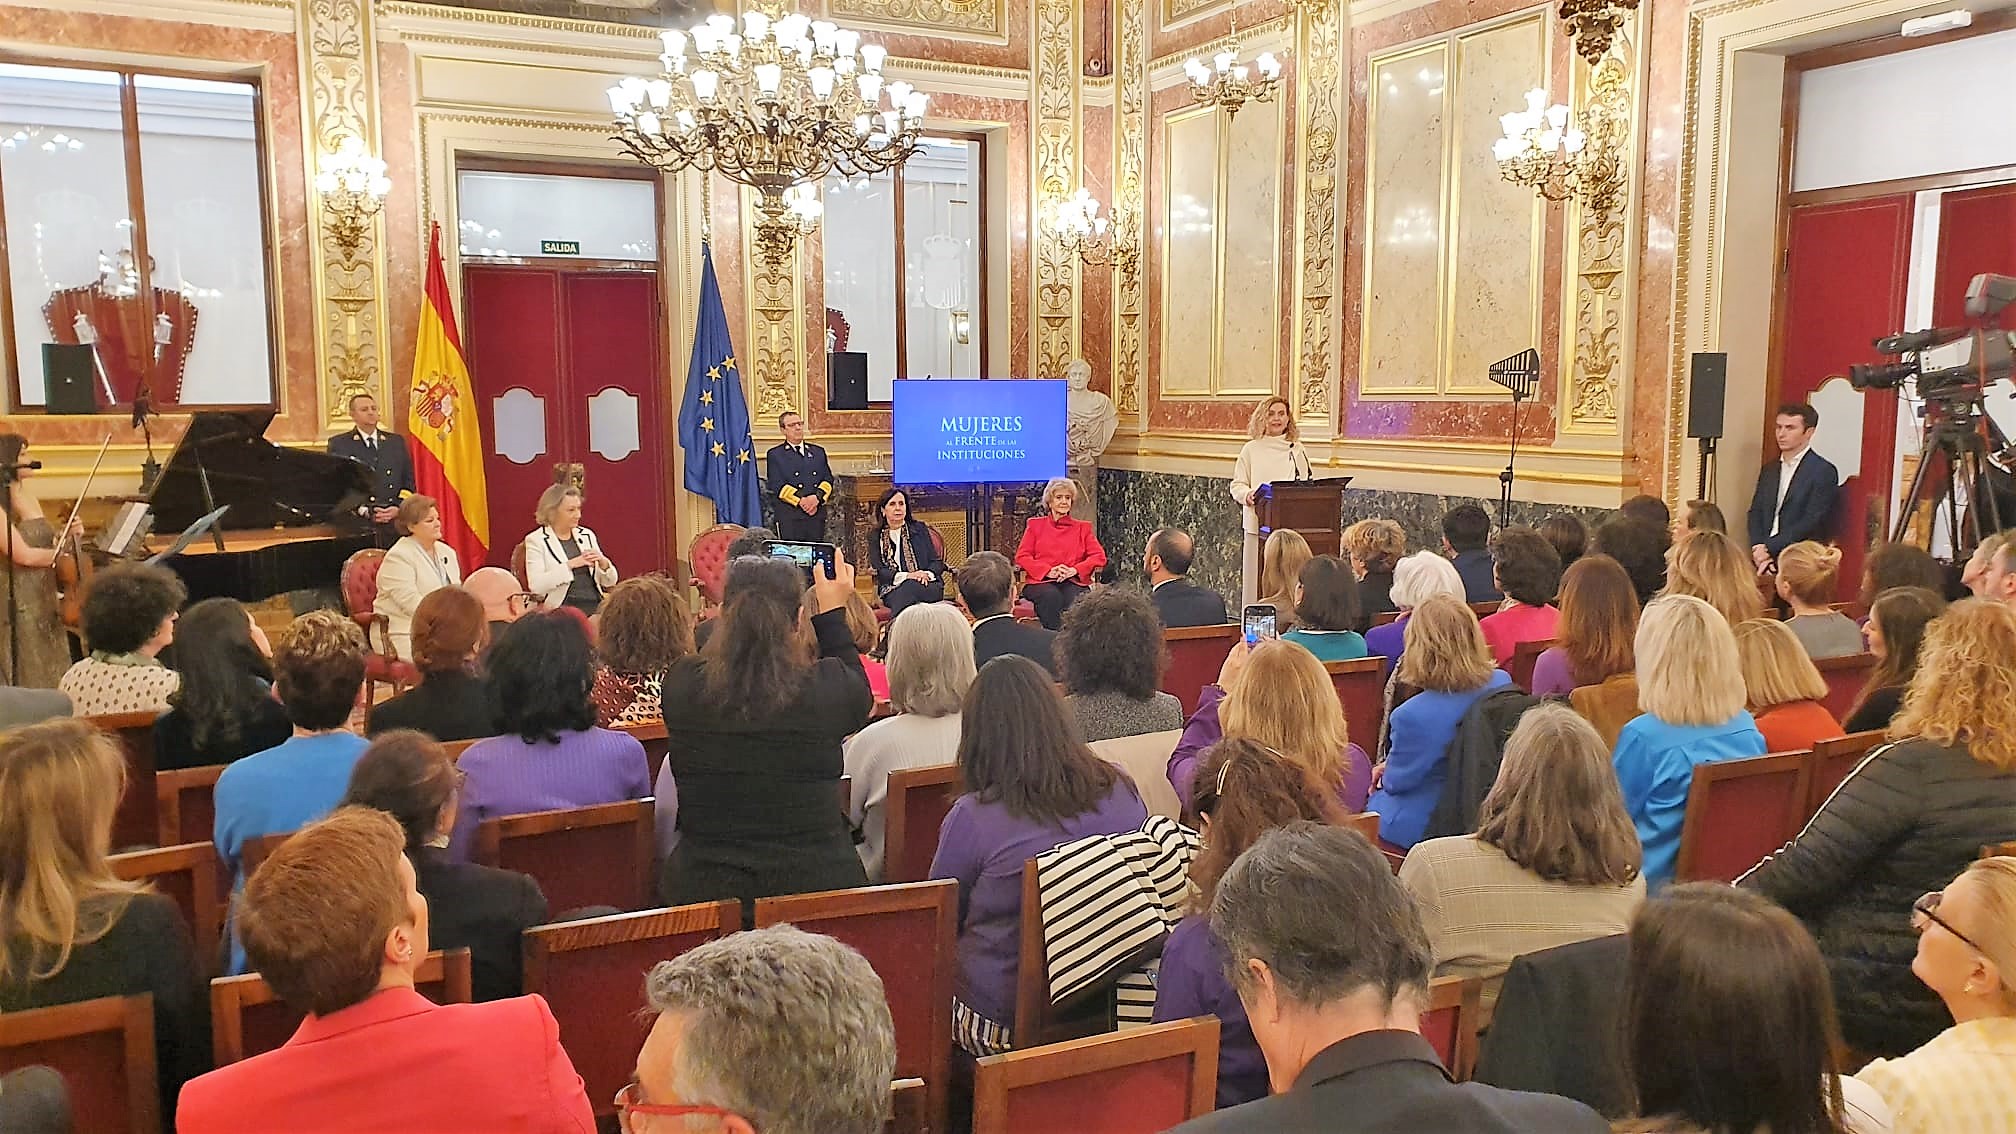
(353, 187)
(1592, 24)
(1227, 82)
(775, 106)
(1076, 223)
(1562, 155)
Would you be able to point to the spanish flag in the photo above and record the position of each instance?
(441, 420)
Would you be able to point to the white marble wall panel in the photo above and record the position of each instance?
(1404, 234)
(1190, 262)
(1495, 227)
(1250, 339)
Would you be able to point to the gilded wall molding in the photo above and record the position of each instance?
(1182, 11)
(958, 18)
(340, 80)
(1319, 80)
(1130, 200)
(1055, 137)
(776, 346)
(1602, 256)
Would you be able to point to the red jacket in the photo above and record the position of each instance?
(399, 1062)
(1046, 542)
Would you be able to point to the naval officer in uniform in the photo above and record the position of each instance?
(800, 483)
(390, 462)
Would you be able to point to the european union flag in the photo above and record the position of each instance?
(714, 418)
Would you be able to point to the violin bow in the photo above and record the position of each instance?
(88, 478)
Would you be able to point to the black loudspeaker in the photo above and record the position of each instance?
(846, 380)
(1706, 385)
(66, 376)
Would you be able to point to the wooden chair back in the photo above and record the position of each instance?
(1998, 850)
(1386, 618)
(135, 823)
(580, 856)
(1524, 655)
(185, 805)
(1361, 689)
(1833, 760)
(1365, 823)
(918, 799)
(1486, 609)
(188, 875)
(1455, 1007)
(707, 555)
(1738, 811)
(1196, 654)
(247, 1018)
(1145, 759)
(909, 933)
(1845, 677)
(909, 1108)
(651, 734)
(104, 1049)
(256, 849)
(1138, 1081)
(1039, 1019)
(592, 975)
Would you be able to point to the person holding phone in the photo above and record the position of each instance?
(1058, 554)
(563, 560)
(909, 567)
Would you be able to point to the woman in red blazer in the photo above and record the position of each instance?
(334, 922)
(1058, 554)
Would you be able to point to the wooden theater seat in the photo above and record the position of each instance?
(1361, 688)
(1139, 1081)
(134, 824)
(247, 1018)
(1845, 678)
(1833, 760)
(188, 875)
(580, 856)
(104, 1049)
(1738, 811)
(1524, 655)
(914, 809)
(1455, 1005)
(1196, 654)
(185, 805)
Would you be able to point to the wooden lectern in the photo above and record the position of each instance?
(1313, 507)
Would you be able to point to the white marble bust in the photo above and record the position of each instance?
(1090, 418)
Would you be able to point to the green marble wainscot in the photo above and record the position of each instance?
(1420, 514)
(1132, 505)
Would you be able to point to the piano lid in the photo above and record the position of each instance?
(266, 485)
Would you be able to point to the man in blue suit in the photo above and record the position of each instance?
(1795, 494)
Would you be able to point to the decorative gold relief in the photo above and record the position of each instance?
(1056, 168)
(1130, 138)
(1319, 77)
(336, 46)
(1174, 11)
(976, 17)
(1603, 257)
(775, 300)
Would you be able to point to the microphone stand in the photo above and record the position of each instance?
(1511, 459)
(8, 476)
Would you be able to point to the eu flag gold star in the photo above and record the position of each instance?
(743, 456)
(718, 450)
(714, 372)
(729, 363)
(706, 397)
(707, 423)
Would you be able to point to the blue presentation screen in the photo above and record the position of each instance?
(964, 431)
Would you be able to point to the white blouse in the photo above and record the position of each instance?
(1265, 460)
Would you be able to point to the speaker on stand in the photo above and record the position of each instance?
(1708, 382)
(846, 380)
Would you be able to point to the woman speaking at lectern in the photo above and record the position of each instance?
(1274, 453)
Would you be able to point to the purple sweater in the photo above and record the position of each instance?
(508, 776)
(1552, 675)
(1203, 731)
(1193, 983)
(1387, 641)
(983, 848)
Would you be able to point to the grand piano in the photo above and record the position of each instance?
(292, 513)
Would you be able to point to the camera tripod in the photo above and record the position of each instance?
(1960, 434)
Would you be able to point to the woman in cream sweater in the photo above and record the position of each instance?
(420, 562)
(1274, 453)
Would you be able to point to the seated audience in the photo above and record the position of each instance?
(1526, 568)
(1567, 535)
(642, 629)
(129, 618)
(1466, 535)
(1690, 688)
(774, 1030)
(1729, 1023)
(1965, 1078)
(1331, 964)
(1281, 559)
(421, 561)
(1651, 509)
(452, 701)
(755, 752)
(35, 1100)
(564, 563)
(1806, 574)
(1449, 663)
(1893, 565)
(987, 587)
(1909, 817)
(1031, 784)
(1179, 601)
(1110, 660)
(930, 669)
(223, 706)
(548, 753)
(1599, 617)
(73, 931)
(1248, 789)
(867, 632)
(1785, 694)
(504, 600)
(1418, 578)
(1701, 516)
(335, 922)
(1554, 860)
(409, 776)
(1974, 576)
(1710, 567)
(1375, 547)
(908, 562)
(1895, 634)
(1639, 548)
(733, 579)
(1058, 555)
(1326, 611)
(1283, 698)
(1998, 573)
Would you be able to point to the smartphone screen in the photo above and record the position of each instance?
(802, 555)
(1258, 620)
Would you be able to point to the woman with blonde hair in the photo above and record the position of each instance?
(1417, 577)
(1447, 660)
(1709, 566)
(420, 562)
(1285, 555)
(1785, 692)
(1280, 695)
(1910, 816)
(1375, 547)
(1806, 577)
(930, 669)
(1599, 618)
(563, 559)
(1690, 691)
(1554, 859)
(72, 930)
(1273, 451)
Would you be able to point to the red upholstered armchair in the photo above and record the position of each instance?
(709, 557)
(359, 582)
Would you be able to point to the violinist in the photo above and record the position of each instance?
(33, 653)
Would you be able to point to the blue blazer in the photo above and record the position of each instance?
(1417, 759)
(1808, 511)
(1655, 767)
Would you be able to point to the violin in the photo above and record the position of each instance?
(73, 566)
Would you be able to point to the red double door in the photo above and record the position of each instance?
(568, 369)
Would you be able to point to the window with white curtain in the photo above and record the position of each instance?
(135, 223)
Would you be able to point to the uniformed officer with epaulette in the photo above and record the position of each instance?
(800, 483)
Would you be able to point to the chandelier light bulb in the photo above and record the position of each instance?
(705, 85)
(675, 43)
(846, 42)
(619, 102)
(870, 86)
(862, 125)
(821, 80)
(769, 76)
(914, 104)
(1573, 141)
(660, 93)
(1536, 100)
(755, 25)
(325, 181)
(648, 123)
(1224, 60)
(686, 120)
(1269, 65)
(898, 91)
(1557, 116)
(872, 55)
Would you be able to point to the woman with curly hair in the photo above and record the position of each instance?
(1527, 570)
(1110, 658)
(129, 618)
(1599, 618)
(1375, 547)
(643, 628)
(1910, 816)
(1709, 566)
(1896, 635)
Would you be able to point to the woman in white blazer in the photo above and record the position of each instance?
(563, 560)
(1274, 452)
(420, 562)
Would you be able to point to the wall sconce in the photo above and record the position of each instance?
(353, 186)
(962, 326)
(1075, 221)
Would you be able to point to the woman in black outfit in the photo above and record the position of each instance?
(409, 776)
(908, 567)
(1895, 633)
(224, 707)
(755, 743)
(451, 702)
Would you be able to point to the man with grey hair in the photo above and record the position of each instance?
(776, 1031)
(1330, 960)
(987, 584)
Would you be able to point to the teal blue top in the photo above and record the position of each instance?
(1329, 645)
